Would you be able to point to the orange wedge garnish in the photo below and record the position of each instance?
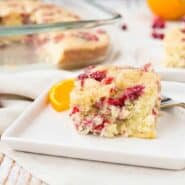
(59, 95)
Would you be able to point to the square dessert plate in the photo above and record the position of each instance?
(40, 129)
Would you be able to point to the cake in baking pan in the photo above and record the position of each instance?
(77, 48)
(67, 49)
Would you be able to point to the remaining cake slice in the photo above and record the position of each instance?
(69, 49)
(77, 48)
(174, 44)
(15, 12)
(51, 13)
(110, 101)
(22, 12)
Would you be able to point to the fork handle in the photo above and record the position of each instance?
(169, 105)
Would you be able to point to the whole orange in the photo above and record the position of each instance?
(168, 9)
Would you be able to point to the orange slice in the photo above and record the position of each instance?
(59, 95)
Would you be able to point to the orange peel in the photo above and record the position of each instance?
(168, 9)
(59, 95)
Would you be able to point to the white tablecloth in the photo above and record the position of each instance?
(66, 171)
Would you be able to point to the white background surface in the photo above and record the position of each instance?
(65, 171)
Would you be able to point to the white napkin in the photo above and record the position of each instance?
(15, 86)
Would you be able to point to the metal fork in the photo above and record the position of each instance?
(167, 102)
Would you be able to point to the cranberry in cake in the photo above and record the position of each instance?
(111, 101)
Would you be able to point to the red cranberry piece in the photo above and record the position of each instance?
(154, 112)
(88, 36)
(98, 75)
(100, 31)
(105, 121)
(124, 27)
(122, 100)
(58, 38)
(92, 38)
(183, 40)
(158, 23)
(147, 67)
(82, 78)
(99, 103)
(41, 41)
(102, 99)
(161, 36)
(76, 126)
(183, 30)
(75, 110)
(132, 93)
(115, 102)
(98, 128)
(156, 35)
(108, 80)
(113, 90)
(87, 122)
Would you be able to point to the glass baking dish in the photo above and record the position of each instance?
(16, 55)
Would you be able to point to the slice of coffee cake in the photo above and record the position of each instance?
(110, 101)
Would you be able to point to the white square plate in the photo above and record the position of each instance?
(42, 130)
